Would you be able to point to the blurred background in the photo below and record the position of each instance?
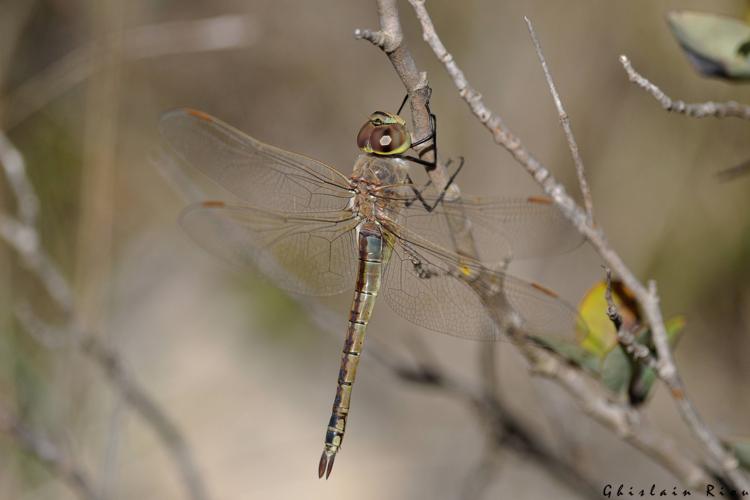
(237, 364)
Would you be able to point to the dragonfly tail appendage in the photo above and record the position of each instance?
(326, 463)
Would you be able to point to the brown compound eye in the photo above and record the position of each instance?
(363, 137)
(383, 139)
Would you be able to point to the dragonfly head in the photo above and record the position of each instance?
(384, 134)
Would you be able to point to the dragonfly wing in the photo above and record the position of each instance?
(502, 228)
(429, 286)
(259, 174)
(439, 302)
(311, 254)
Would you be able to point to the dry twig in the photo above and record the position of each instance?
(565, 121)
(696, 110)
(58, 463)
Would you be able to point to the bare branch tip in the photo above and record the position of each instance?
(376, 38)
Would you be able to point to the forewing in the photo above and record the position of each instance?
(264, 176)
(430, 287)
(311, 254)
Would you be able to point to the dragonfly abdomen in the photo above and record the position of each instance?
(370, 243)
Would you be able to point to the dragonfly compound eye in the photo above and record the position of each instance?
(385, 139)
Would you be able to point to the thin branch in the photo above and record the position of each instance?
(25, 240)
(15, 171)
(565, 122)
(96, 215)
(47, 453)
(646, 296)
(696, 110)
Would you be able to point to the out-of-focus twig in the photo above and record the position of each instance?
(696, 110)
(15, 172)
(58, 463)
(565, 122)
(24, 240)
(645, 295)
(144, 42)
(732, 173)
(96, 222)
(21, 234)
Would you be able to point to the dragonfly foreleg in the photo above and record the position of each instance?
(432, 136)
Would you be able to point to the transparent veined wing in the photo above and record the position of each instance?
(262, 175)
(502, 228)
(428, 286)
(311, 254)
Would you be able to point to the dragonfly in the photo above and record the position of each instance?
(314, 231)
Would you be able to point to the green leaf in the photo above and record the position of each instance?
(617, 370)
(715, 45)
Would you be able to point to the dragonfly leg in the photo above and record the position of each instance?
(431, 164)
(406, 98)
(418, 192)
(432, 136)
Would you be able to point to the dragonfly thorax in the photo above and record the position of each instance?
(378, 171)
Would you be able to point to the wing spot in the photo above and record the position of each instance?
(200, 115)
(213, 204)
(545, 290)
(542, 200)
